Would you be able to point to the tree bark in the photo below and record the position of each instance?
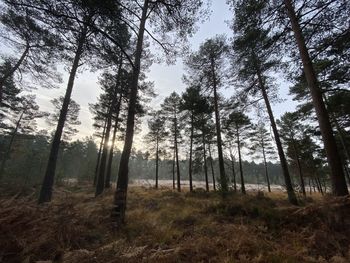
(173, 170)
(118, 213)
(46, 188)
(223, 179)
(266, 171)
(10, 73)
(190, 161)
(300, 171)
(339, 186)
(290, 191)
(101, 174)
(99, 153)
(240, 161)
(110, 154)
(157, 160)
(233, 171)
(212, 167)
(177, 157)
(205, 164)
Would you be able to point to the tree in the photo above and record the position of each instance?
(237, 125)
(156, 136)
(72, 118)
(171, 110)
(208, 67)
(35, 43)
(253, 48)
(26, 112)
(337, 174)
(177, 18)
(261, 143)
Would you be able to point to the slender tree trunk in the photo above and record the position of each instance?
(118, 213)
(266, 171)
(46, 188)
(110, 155)
(223, 179)
(157, 161)
(101, 175)
(212, 167)
(339, 186)
(205, 164)
(99, 153)
(177, 157)
(310, 186)
(190, 161)
(8, 151)
(233, 171)
(290, 191)
(10, 73)
(240, 162)
(173, 170)
(301, 176)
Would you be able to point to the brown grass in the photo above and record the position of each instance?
(166, 226)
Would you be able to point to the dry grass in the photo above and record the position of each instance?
(166, 226)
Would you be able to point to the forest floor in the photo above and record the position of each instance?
(167, 226)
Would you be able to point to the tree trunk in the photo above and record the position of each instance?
(110, 155)
(101, 174)
(223, 180)
(212, 167)
(8, 151)
(290, 191)
(205, 164)
(301, 176)
(240, 162)
(157, 161)
(118, 213)
(339, 186)
(10, 73)
(233, 171)
(177, 157)
(46, 188)
(173, 170)
(190, 161)
(99, 153)
(266, 171)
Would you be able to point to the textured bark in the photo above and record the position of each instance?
(339, 186)
(118, 212)
(46, 188)
(10, 73)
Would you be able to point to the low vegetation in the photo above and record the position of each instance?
(167, 226)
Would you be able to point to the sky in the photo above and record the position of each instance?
(166, 78)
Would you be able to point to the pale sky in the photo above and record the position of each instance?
(166, 78)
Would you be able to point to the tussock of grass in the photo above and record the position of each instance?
(167, 226)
